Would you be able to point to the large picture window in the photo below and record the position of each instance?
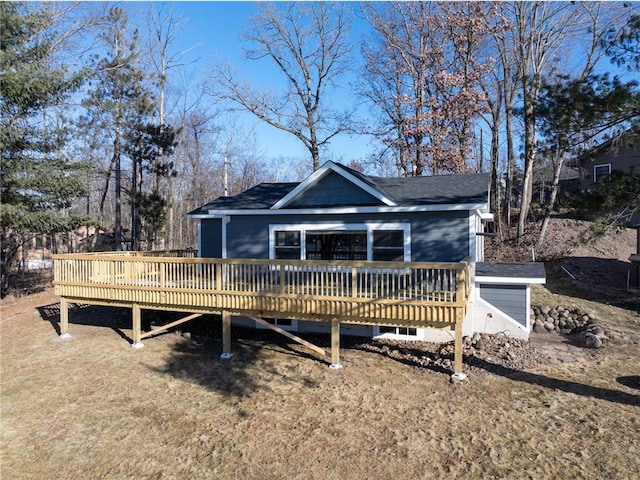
(328, 245)
(382, 242)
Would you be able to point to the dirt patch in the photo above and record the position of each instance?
(594, 270)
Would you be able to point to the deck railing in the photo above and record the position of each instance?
(384, 293)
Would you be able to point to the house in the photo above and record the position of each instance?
(621, 153)
(339, 214)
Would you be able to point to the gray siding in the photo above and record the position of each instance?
(440, 236)
(211, 241)
(334, 191)
(511, 299)
(436, 236)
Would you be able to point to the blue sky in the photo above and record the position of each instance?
(214, 29)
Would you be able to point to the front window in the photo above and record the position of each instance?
(347, 245)
(380, 242)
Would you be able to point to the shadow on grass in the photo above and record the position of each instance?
(116, 318)
(250, 369)
(631, 381)
(423, 359)
(198, 359)
(581, 389)
(196, 356)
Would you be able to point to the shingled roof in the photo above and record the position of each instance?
(511, 270)
(410, 191)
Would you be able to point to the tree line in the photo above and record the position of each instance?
(105, 123)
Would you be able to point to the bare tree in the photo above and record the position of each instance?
(423, 73)
(163, 29)
(309, 45)
(542, 30)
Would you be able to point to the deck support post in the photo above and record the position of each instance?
(335, 344)
(458, 374)
(226, 336)
(137, 325)
(64, 318)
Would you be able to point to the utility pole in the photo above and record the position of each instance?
(225, 176)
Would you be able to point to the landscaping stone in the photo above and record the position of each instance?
(539, 328)
(567, 320)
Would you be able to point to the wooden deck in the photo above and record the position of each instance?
(431, 295)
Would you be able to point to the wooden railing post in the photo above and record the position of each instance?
(162, 267)
(283, 289)
(460, 286)
(354, 281)
(218, 269)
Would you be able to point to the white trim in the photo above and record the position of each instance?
(345, 210)
(528, 308)
(322, 172)
(224, 222)
(396, 336)
(369, 227)
(199, 246)
(510, 280)
(595, 177)
(486, 216)
(472, 235)
(289, 328)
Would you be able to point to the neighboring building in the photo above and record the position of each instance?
(618, 154)
(340, 214)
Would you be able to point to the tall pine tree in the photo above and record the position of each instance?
(39, 178)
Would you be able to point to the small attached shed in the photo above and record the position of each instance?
(503, 297)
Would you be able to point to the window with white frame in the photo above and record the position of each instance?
(287, 245)
(601, 172)
(388, 245)
(371, 241)
(336, 245)
(283, 323)
(398, 331)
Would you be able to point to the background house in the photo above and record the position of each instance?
(340, 214)
(621, 153)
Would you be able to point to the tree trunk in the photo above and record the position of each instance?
(105, 190)
(118, 209)
(530, 151)
(555, 187)
(511, 161)
(495, 180)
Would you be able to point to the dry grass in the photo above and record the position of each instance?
(92, 407)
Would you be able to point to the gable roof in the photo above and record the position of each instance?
(262, 196)
(443, 190)
(322, 172)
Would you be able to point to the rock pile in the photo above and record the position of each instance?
(546, 319)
